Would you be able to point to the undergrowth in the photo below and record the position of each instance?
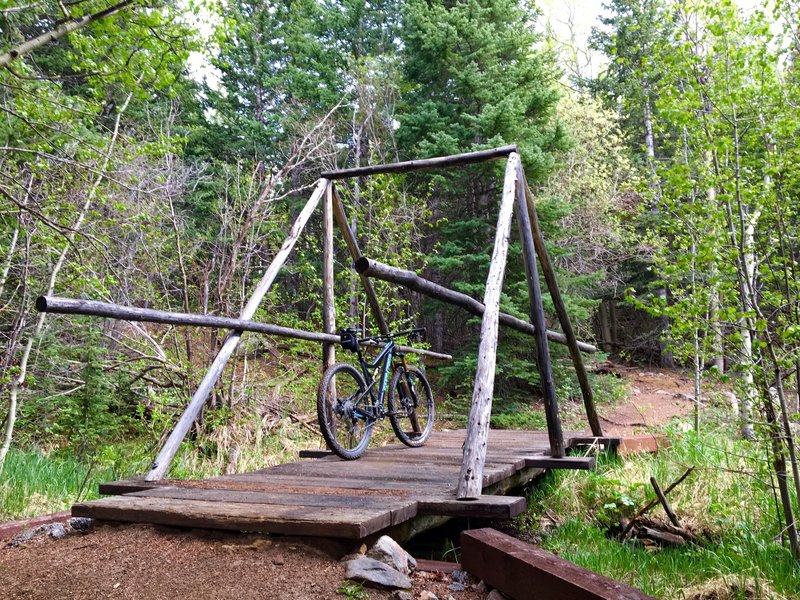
(36, 481)
(727, 502)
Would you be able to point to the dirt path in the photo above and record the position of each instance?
(142, 561)
(657, 396)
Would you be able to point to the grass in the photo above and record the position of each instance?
(36, 482)
(727, 501)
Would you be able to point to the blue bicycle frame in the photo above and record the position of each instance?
(374, 410)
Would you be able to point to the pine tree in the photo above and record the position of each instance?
(476, 81)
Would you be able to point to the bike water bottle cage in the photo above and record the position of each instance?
(348, 339)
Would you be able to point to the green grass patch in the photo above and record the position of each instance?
(519, 416)
(727, 501)
(35, 482)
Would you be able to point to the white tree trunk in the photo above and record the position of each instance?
(19, 381)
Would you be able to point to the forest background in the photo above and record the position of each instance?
(667, 186)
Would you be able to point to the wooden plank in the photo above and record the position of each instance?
(314, 453)
(470, 479)
(436, 566)
(485, 507)
(423, 163)
(426, 486)
(328, 522)
(400, 509)
(525, 572)
(637, 444)
(382, 472)
(565, 462)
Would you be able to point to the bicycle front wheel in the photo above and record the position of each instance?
(411, 406)
(342, 412)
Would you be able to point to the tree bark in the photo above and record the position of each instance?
(60, 31)
(415, 283)
(328, 301)
(527, 232)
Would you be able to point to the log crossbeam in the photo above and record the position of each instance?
(415, 283)
(422, 164)
(94, 308)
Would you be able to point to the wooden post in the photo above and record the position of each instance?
(170, 448)
(549, 395)
(328, 305)
(471, 476)
(355, 253)
(561, 311)
(415, 283)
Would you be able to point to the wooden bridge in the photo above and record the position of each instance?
(389, 488)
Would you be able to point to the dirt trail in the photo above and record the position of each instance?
(656, 397)
(143, 561)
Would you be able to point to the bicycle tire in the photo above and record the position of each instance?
(346, 434)
(407, 414)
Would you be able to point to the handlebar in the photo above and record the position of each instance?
(348, 336)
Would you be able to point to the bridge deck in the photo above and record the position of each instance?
(334, 498)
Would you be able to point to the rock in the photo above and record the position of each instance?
(402, 595)
(81, 524)
(459, 576)
(362, 549)
(278, 561)
(24, 536)
(351, 556)
(426, 595)
(374, 573)
(479, 587)
(456, 587)
(56, 530)
(389, 552)
(495, 595)
(53, 530)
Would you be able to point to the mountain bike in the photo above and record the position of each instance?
(349, 402)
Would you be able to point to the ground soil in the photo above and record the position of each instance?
(656, 397)
(142, 561)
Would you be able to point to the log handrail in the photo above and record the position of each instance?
(424, 163)
(95, 308)
(415, 283)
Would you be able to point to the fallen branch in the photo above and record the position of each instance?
(653, 502)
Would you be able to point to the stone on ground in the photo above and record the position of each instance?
(389, 552)
(374, 573)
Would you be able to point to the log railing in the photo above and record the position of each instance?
(415, 283)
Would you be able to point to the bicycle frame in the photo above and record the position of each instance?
(384, 359)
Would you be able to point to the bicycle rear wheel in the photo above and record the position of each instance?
(341, 411)
(411, 406)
